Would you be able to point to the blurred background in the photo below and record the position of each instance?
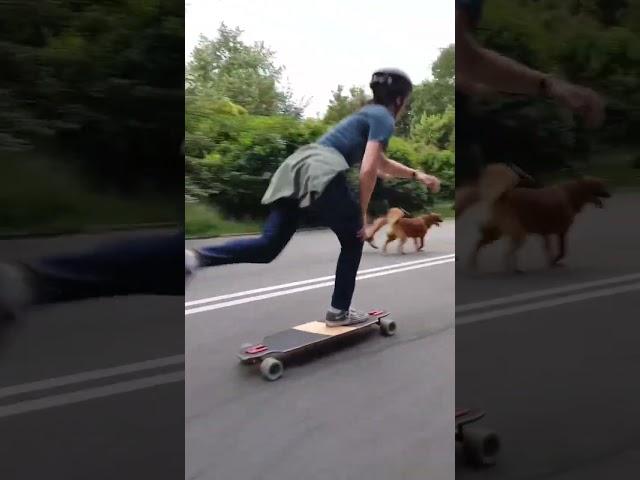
(591, 43)
(548, 354)
(91, 127)
(88, 110)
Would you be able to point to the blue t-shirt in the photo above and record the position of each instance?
(351, 134)
(472, 7)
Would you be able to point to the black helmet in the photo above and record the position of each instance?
(391, 80)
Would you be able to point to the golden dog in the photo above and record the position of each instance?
(403, 228)
(518, 212)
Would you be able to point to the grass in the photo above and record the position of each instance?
(40, 196)
(204, 221)
(445, 209)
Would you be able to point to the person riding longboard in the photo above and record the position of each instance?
(314, 178)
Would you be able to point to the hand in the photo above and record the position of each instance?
(431, 182)
(581, 100)
(366, 233)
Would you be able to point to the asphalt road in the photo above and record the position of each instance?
(378, 408)
(553, 355)
(92, 389)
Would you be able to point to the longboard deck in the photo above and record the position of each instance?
(303, 336)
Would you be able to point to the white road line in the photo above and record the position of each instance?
(154, 380)
(89, 394)
(545, 292)
(306, 282)
(310, 287)
(472, 318)
(91, 375)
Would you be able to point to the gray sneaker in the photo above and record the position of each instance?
(191, 264)
(344, 318)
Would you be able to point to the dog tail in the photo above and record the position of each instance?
(495, 181)
(394, 214)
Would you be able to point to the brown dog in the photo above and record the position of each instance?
(518, 212)
(416, 228)
(401, 227)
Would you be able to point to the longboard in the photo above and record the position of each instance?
(480, 445)
(301, 337)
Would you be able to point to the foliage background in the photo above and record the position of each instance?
(591, 42)
(91, 113)
(241, 123)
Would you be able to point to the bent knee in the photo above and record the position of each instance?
(269, 249)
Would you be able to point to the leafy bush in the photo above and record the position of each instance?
(241, 125)
(230, 159)
(403, 151)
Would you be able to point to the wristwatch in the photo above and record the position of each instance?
(414, 174)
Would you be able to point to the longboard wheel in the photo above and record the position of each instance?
(271, 368)
(481, 446)
(387, 327)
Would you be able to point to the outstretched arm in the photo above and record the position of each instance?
(398, 170)
(478, 65)
(474, 89)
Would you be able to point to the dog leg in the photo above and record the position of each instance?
(562, 244)
(416, 242)
(421, 243)
(400, 247)
(512, 258)
(548, 250)
(390, 238)
(490, 234)
(377, 225)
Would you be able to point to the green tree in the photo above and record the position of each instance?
(341, 105)
(436, 129)
(246, 75)
(435, 96)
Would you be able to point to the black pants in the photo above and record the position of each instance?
(336, 208)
